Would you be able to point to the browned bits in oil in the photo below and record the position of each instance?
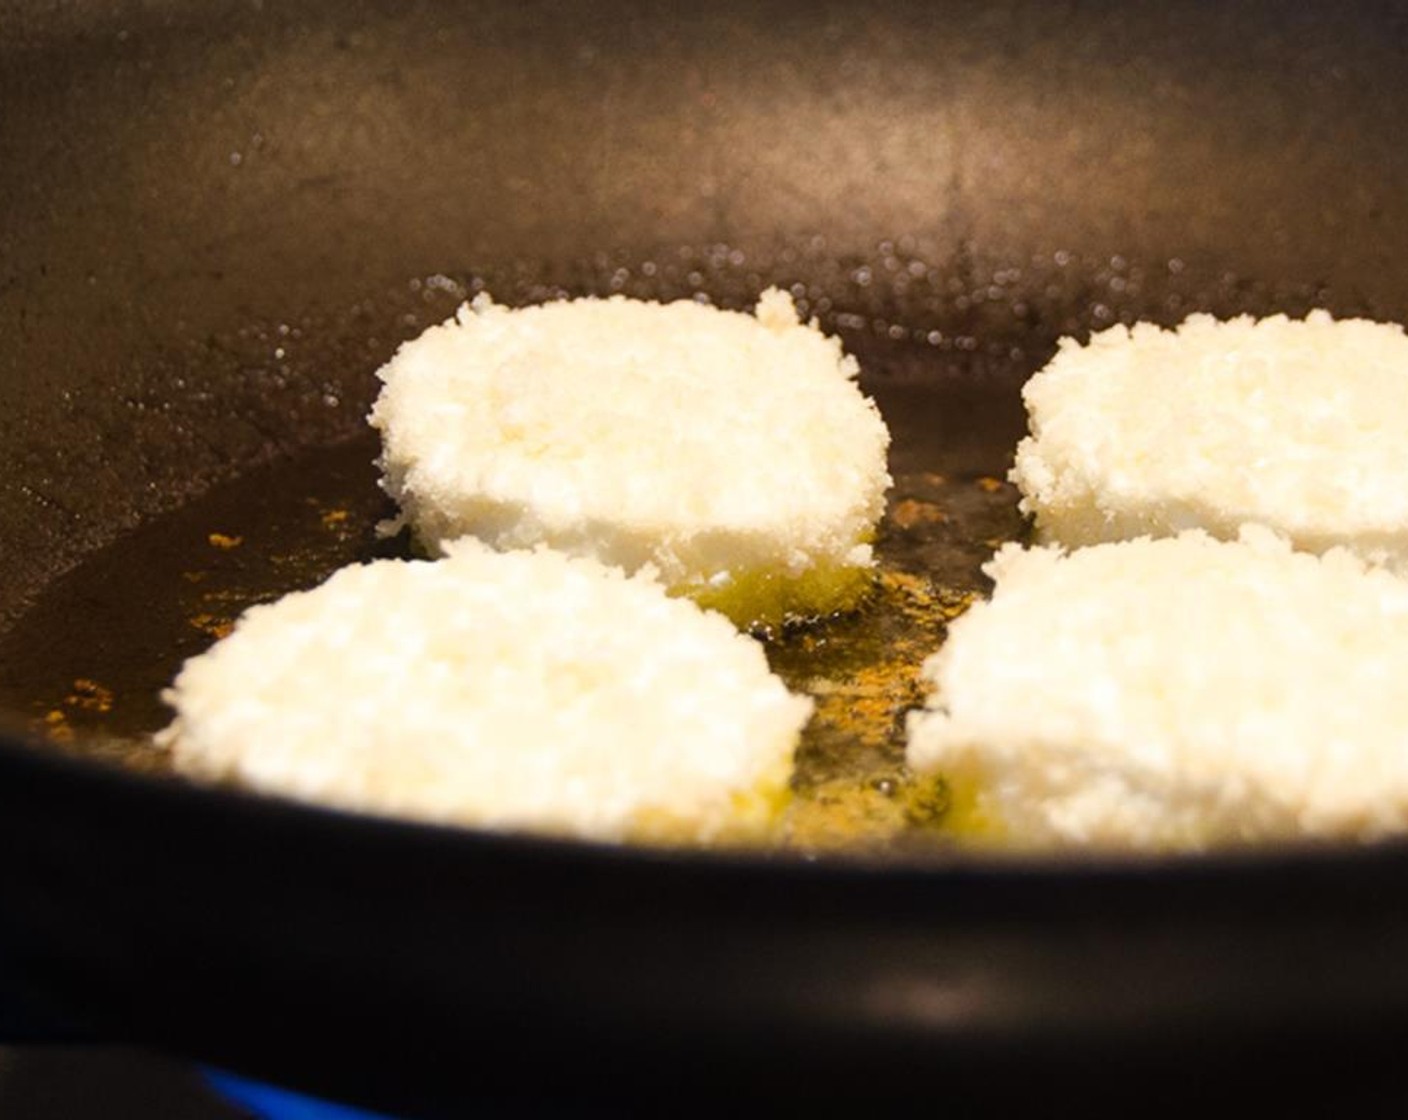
(851, 782)
(89, 696)
(924, 801)
(338, 523)
(956, 604)
(990, 485)
(833, 814)
(224, 541)
(84, 699)
(217, 626)
(54, 726)
(909, 513)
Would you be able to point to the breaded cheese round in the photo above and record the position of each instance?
(734, 453)
(1180, 693)
(1299, 425)
(523, 690)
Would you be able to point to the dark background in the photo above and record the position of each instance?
(102, 1083)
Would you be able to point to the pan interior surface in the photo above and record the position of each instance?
(86, 663)
(944, 349)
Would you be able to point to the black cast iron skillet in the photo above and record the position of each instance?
(217, 219)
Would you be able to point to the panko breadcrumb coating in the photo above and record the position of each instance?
(523, 690)
(1299, 425)
(1174, 694)
(734, 454)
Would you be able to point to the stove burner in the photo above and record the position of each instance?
(270, 1103)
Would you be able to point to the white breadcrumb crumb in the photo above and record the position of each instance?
(734, 453)
(1299, 425)
(1174, 694)
(522, 690)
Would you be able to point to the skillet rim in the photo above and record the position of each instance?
(23, 752)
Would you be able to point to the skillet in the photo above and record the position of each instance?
(219, 219)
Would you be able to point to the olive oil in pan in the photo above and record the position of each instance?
(88, 662)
